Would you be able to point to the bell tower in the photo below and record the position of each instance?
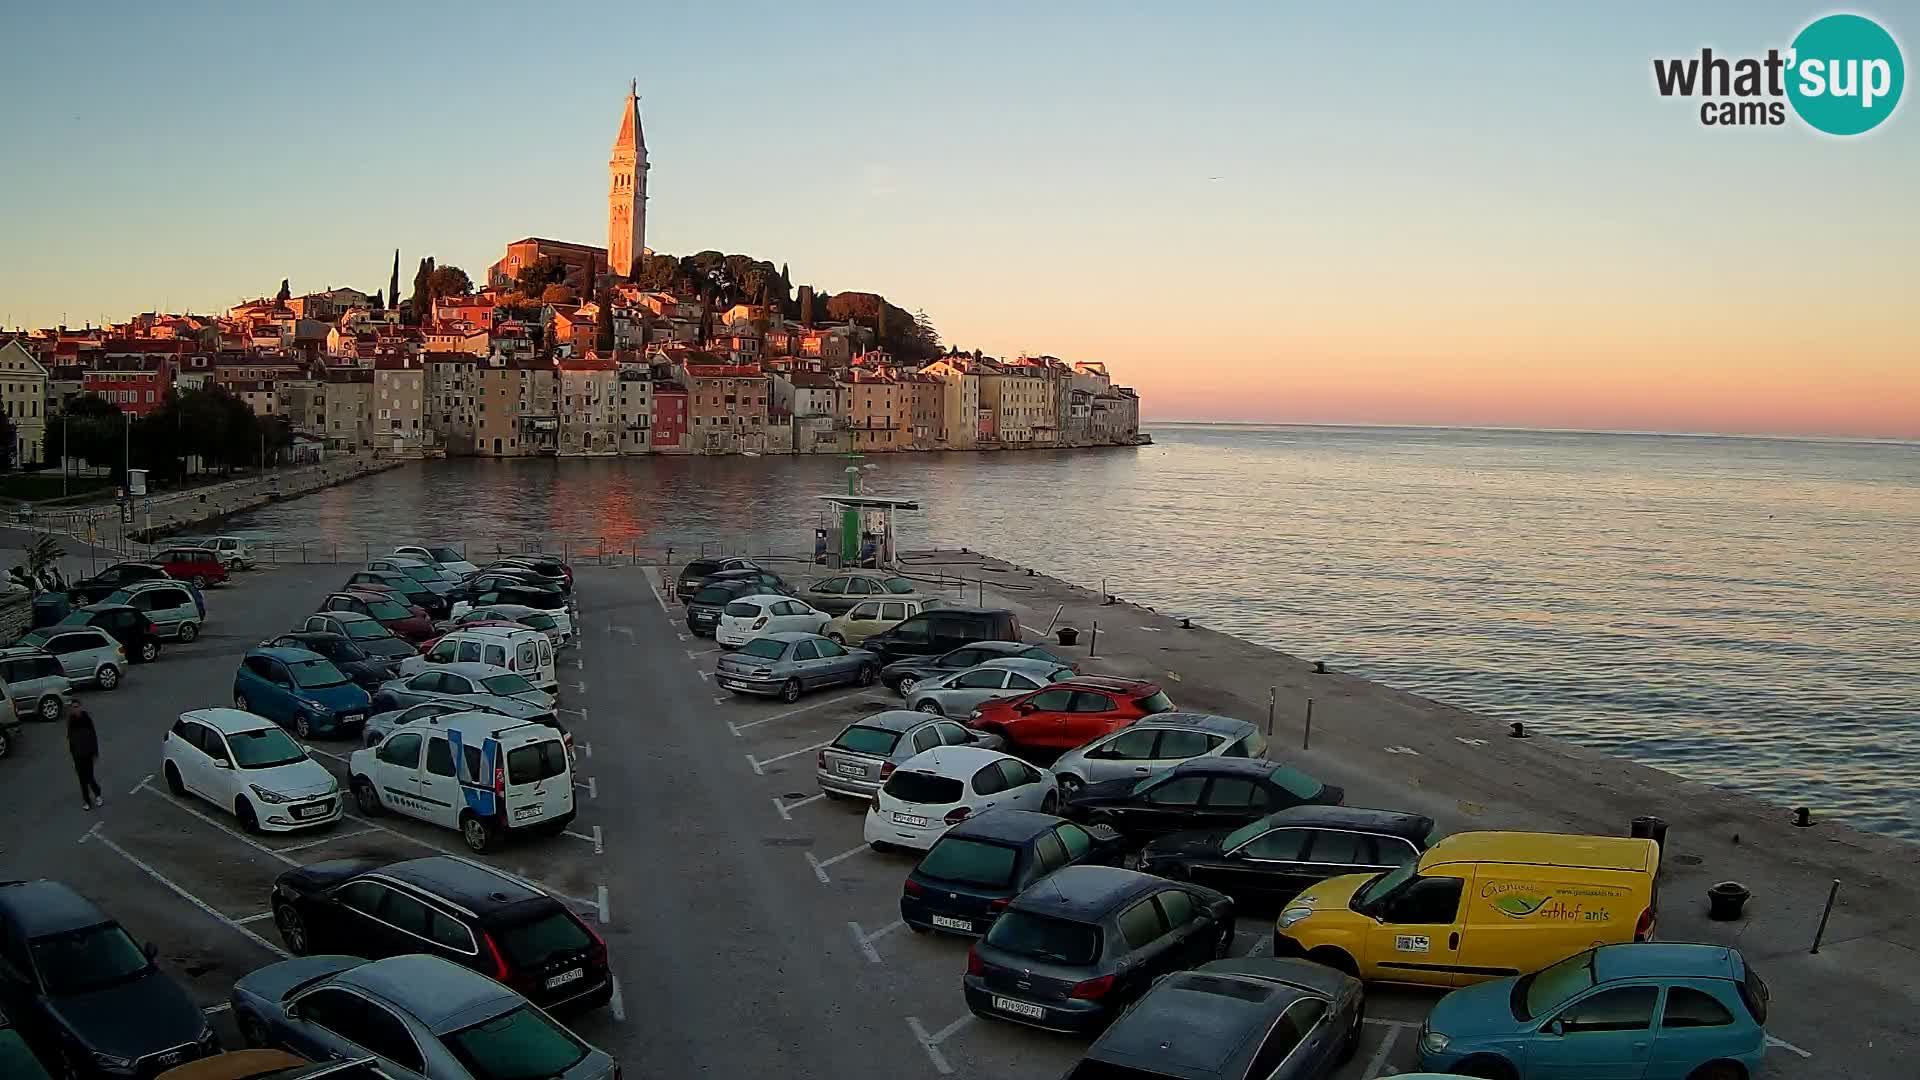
(627, 191)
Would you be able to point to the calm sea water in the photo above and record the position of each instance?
(1740, 611)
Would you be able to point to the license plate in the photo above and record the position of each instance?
(171, 1057)
(523, 812)
(309, 811)
(953, 924)
(566, 977)
(910, 819)
(730, 683)
(1019, 1008)
(352, 717)
(851, 770)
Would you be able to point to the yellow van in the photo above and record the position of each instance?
(1477, 906)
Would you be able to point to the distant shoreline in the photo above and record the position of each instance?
(1855, 440)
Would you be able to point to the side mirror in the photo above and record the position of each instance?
(1024, 708)
(1558, 1026)
(1105, 834)
(222, 763)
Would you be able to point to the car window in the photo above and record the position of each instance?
(1251, 745)
(402, 750)
(1051, 852)
(381, 1032)
(763, 649)
(898, 586)
(444, 652)
(1337, 847)
(963, 658)
(1432, 901)
(1181, 745)
(925, 788)
(1017, 681)
(1075, 839)
(804, 650)
(953, 734)
(1086, 701)
(867, 740)
(439, 757)
(831, 586)
(1286, 1034)
(1051, 700)
(893, 612)
(989, 780)
(1177, 906)
(1624, 1008)
(866, 611)
(403, 911)
(1135, 744)
(1280, 845)
(335, 1010)
(455, 684)
(209, 741)
(536, 761)
(1690, 1008)
(1177, 791)
(1296, 783)
(1018, 774)
(469, 652)
(1141, 924)
(861, 587)
(828, 650)
(1231, 792)
(966, 861)
(985, 679)
(925, 739)
(913, 631)
(446, 931)
(496, 655)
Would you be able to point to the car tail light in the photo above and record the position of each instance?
(152, 629)
(958, 814)
(912, 887)
(597, 952)
(759, 622)
(500, 784)
(886, 769)
(1643, 930)
(975, 965)
(820, 760)
(998, 904)
(1093, 989)
(501, 972)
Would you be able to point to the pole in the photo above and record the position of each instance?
(1271, 691)
(1093, 639)
(66, 453)
(1824, 912)
(979, 592)
(1306, 736)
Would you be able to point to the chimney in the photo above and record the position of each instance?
(806, 306)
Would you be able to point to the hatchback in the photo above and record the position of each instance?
(943, 629)
(1155, 744)
(460, 680)
(869, 617)
(35, 683)
(128, 625)
(202, 566)
(364, 668)
(755, 614)
(699, 570)
(785, 665)
(168, 605)
(704, 606)
(867, 751)
(1070, 954)
(841, 592)
(409, 623)
(939, 788)
(449, 559)
(244, 765)
(233, 552)
(1272, 859)
(299, 690)
(1071, 713)
(365, 631)
(85, 654)
(1205, 793)
(977, 867)
(905, 674)
(963, 691)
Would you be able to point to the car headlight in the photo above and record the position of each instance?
(1293, 915)
(314, 706)
(1434, 1043)
(266, 796)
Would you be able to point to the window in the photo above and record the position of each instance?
(925, 739)
(1344, 848)
(893, 612)
(966, 861)
(1086, 701)
(439, 757)
(1626, 1008)
(828, 649)
(382, 1033)
(1018, 774)
(1142, 924)
(1075, 839)
(983, 679)
(496, 655)
(469, 652)
(953, 735)
(1287, 1033)
(1052, 853)
(1178, 791)
(1180, 745)
(1177, 906)
(1051, 700)
(1690, 1008)
(536, 761)
(1280, 845)
(1132, 745)
(455, 684)
(1427, 901)
(402, 750)
(1234, 793)
(989, 780)
(805, 650)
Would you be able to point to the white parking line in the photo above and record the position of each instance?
(759, 766)
(931, 1043)
(785, 809)
(601, 896)
(820, 865)
(585, 747)
(144, 781)
(823, 702)
(341, 758)
(237, 835)
(866, 940)
(254, 918)
(706, 674)
(1787, 1046)
(325, 840)
(95, 834)
(661, 600)
(591, 787)
(617, 1004)
(581, 713)
(1380, 1055)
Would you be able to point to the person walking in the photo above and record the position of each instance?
(83, 742)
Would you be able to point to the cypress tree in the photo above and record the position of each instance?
(393, 286)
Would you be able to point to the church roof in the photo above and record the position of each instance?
(631, 135)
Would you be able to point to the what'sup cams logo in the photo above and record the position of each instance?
(1842, 75)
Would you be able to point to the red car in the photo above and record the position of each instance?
(1070, 713)
(409, 623)
(201, 566)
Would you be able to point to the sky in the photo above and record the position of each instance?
(1471, 214)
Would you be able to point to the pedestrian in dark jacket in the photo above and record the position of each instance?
(84, 744)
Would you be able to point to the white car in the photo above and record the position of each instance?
(755, 616)
(446, 558)
(484, 774)
(247, 766)
(939, 788)
(233, 552)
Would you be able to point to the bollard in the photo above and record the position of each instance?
(1056, 617)
(1306, 733)
(1271, 692)
(980, 592)
(1093, 639)
(1802, 818)
(1821, 931)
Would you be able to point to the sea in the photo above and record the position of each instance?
(1739, 611)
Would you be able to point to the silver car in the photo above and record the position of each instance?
(86, 654)
(785, 664)
(380, 725)
(166, 604)
(531, 617)
(865, 754)
(957, 694)
(420, 1016)
(1154, 744)
(34, 683)
(460, 682)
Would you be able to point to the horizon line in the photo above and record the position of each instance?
(1878, 440)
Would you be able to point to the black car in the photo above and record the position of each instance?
(1070, 953)
(699, 570)
(127, 624)
(549, 567)
(517, 573)
(1271, 860)
(85, 995)
(703, 609)
(766, 581)
(416, 592)
(111, 580)
(365, 631)
(1244, 1019)
(364, 668)
(942, 630)
(449, 907)
(977, 867)
(1201, 793)
(902, 675)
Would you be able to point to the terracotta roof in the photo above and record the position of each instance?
(588, 363)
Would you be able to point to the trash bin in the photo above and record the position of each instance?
(50, 608)
(1067, 635)
(1725, 900)
(1651, 828)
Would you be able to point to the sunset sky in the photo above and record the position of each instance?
(1409, 214)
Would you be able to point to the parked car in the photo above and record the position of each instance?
(939, 788)
(416, 593)
(1154, 744)
(248, 767)
(127, 625)
(1071, 954)
(1244, 1019)
(365, 631)
(36, 685)
(17, 1059)
(85, 654)
(92, 590)
(906, 673)
(532, 618)
(960, 693)
(703, 608)
(453, 908)
(168, 605)
(507, 776)
(382, 724)
(365, 669)
(867, 751)
(942, 630)
(85, 995)
(1653, 1010)
(301, 691)
(839, 593)
(460, 680)
(406, 622)
(698, 570)
(418, 1015)
(498, 574)
(764, 581)
(539, 597)
(439, 583)
(750, 616)
(1071, 713)
(785, 665)
(869, 617)
(520, 649)
(1277, 857)
(449, 559)
(274, 1065)
(9, 732)
(546, 563)
(1205, 793)
(233, 552)
(202, 566)
(976, 868)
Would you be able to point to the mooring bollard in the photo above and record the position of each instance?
(1093, 639)
(1271, 692)
(1821, 931)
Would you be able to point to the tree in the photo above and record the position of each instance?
(379, 301)
(542, 272)
(449, 281)
(285, 294)
(557, 294)
(393, 286)
(421, 302)
(8, 436)
(604, 343)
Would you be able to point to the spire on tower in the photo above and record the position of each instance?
(631, 136)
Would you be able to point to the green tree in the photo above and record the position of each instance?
(449, 281)
(286, 292)
(557, 294)
(539, 274)
(421, 302)
(393, 285)
(9, 434)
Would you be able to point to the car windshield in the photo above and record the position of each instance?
(265, 748)
(538, 620)
(366, 631)
(740, 609)
(89, 959)
(315, 674)
(1543, 991)
(507, 685)
(533, 943)
(1042, 938)
(387, 609)
(421, 573)
(1156, 702)
(1370, 893)
(445, 554)
(926, 788)
(1243, 834)
(519, 1045)
(898, 585)
(764, 649)
(715, 594)
(867, 740)
(1296, 783)
(966, 861)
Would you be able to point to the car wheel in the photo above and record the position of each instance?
(249, 821)
(107, 677)
(865, 676)
(790, 691)
(199, 581)
(301, 726)
(906, 685)
(1487, 1068)
(174, 785)
(477, 833)
(1070, 786)
(931, 708)
(880, 846)
(366, 797)
(1351, 1045)
(6, 743)
(253, 1032)
(837, 639)
(149, 652)
(293, 930)
(1718, 1070)
(1051, 803)
(1337, 959)
(188, 631)
(50, 708)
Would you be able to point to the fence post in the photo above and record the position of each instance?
(1821, 932)
(1270, 697)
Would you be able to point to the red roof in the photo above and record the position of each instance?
(724, 371)
(588, 363)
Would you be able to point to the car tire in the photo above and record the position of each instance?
(6, 743)
(1337, 959)
(149, 652)
(302, 726)
(1351, 1045)
(790, 691)
(253, 1033)
(837, 639)
(174, 784)
(366, 797)
(293, 929)
(51, 708)
(1487, 1067)
(199, 581)
(865, 676)
(880, 847)
(477, 833)
(1070, 786)
(931, 708)
(188, 631)
(1718, 1070)
(906, 685)
(249, 820)
(107, 677)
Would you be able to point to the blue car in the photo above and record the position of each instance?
(1650, 1010)
(300, 690)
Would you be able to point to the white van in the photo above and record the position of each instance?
(520, 649)
(481, 773)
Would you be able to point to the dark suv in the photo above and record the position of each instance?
(111, 580)
(449, 907)
(127, 624)
(703, 608)
(87, 997)
(699, 570)
(943, 629)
